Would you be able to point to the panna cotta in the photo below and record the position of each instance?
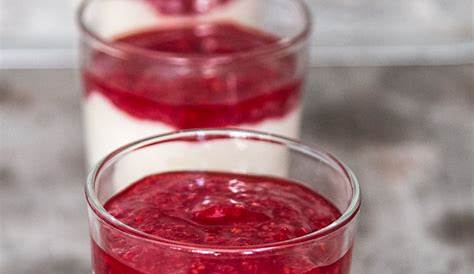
(132, 97)
(219, 210)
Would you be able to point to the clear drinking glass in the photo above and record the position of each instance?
(121, 249)
(151, 67)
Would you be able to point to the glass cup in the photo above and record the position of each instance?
(154, 66)
(121, 249)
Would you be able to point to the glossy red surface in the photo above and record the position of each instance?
(216, 209)
(246, 92)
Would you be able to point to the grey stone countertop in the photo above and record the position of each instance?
(407, 132)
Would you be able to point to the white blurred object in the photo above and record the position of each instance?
(122, 16)
(369, 32)
(347, 32)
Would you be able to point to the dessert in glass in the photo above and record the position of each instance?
(155, 66)
(198, 215)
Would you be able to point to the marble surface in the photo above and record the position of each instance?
(407, 132)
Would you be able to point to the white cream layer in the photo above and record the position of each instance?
(108, 127)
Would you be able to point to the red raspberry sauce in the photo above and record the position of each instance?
(246, 92)
(218, 209)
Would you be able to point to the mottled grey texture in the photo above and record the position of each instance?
(408, 133)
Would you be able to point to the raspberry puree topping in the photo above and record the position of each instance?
(191, 96)
(216, 209)
(221, 209)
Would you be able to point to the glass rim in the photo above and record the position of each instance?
(280, 46)
(104, 216)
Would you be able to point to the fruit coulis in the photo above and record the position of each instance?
(215, 209)
(198, 95)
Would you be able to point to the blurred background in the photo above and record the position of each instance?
(390, 91)
(358, 32)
